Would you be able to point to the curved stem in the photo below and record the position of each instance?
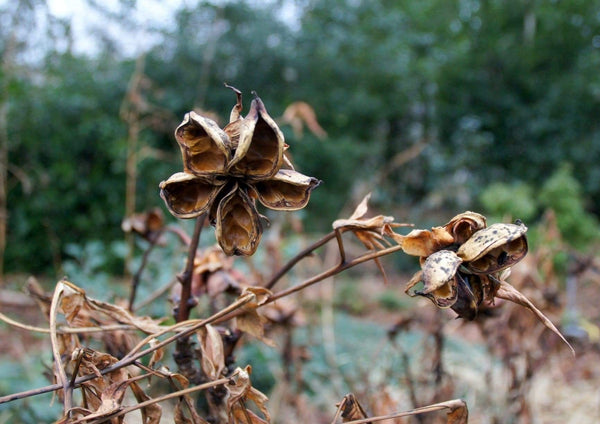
(301, 255)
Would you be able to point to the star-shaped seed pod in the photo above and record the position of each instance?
(226, 170)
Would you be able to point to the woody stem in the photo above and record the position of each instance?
(185, 278)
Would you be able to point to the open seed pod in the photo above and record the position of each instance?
(286, 190)
(494, 248)
(238, 227)
(470, 296)
(259, 153)
(188, 196)
(439, 278)
(204, 146)
(463, 226)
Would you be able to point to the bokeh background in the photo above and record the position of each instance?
(434, 106)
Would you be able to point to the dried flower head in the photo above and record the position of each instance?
(226, 170)
(465, 263)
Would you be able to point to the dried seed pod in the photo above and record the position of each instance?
(439, 278)
(238, 227)
(469, 296)
(259, 153)
(286, 190)
(204, 146)
(494, 248)
(463, 226)
(188, 196)
(423, 242)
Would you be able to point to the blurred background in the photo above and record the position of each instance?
(434, 106)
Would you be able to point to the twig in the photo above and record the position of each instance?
(62, 375)
(155, 295)
(135, 280)
(333, 271)
(185, 278)
(451, 404)
(301, 255)
(339, 410)
(132, 358)
(156, 400)
(66, 330)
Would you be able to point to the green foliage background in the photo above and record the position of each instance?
(497, 92)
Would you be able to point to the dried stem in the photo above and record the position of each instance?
(168, 396)
(155, 295)
(67, 330)
(132, 358)
(185, 278)
(301, 255)
(342, 266)
(339, 410)
(451, 405)
(62, 375)
(135, 280)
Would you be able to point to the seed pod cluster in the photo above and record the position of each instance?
(461, 262)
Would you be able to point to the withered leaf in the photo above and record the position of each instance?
(351, 409)
(250, 321)
(211, 346)
(508, 292)
(111, 399)
(459, 413)
(240, 392)
(150, 413)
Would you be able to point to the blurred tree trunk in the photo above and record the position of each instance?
(6, 67)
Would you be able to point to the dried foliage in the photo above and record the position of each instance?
(103, 350)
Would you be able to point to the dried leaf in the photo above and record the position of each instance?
(151, 413)
(508, 292)
(146, 224)
(458, 414)
(110, 402)
(204, 146)
(259, 154)
(213, 357)
(157, 354)
(238, 227)
(287, 190)
(351, 409)
(240, 392)
(250, 321)
(187, 195)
